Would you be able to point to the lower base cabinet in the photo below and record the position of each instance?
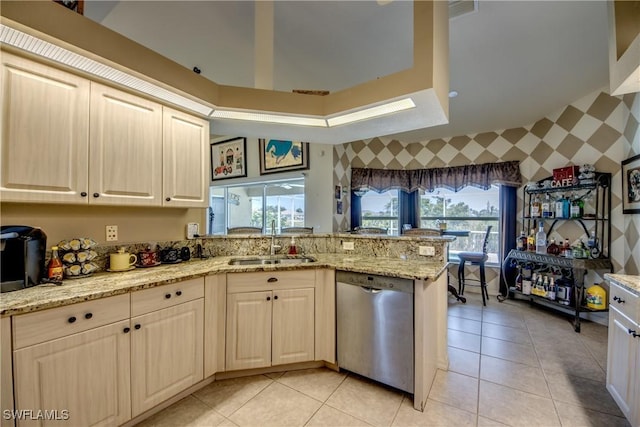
(270, 328)
(82, 378)
(166, 353)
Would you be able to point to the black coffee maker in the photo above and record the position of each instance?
(22, 252)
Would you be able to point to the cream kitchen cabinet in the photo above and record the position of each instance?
(623, 358)
(166, 342)
(125, 158)
(66, 139)
(45, 133)
(185, 141)
(74, 362)
(270, 318)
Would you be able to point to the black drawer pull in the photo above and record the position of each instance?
(71, 319)
(619, 299)
(137, 326)
(96, 195)
(126, 330)
(268, 298)
(168, 199)
(178, 293)
(272, 279)
(88, 316)
(275, 297)
(83, 194)
(167, 296)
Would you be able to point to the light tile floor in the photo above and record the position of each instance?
(510, 364)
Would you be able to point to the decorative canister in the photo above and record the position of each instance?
(596, 298)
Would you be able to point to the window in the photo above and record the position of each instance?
(470, 209)
(381, 210)
(257, 205)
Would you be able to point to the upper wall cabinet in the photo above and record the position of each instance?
(185, 142)
(45, 133)
(65, 139)
(125, 159)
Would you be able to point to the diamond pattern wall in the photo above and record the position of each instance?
(597, 129)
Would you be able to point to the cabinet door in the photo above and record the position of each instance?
(621, 368)
(166, 353)
(125, 159)
(45, 133)
(248, 330)
(293, 331)
(185, 160)
(86, 374)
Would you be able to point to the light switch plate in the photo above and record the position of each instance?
(193, 229)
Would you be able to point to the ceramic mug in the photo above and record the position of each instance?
(121, 261)
(148, 258)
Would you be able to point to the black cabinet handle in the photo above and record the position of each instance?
(272, 279)
(137, 326)
(631, 332)
(618, 299)
(635, 335)
(168, 199)
(126, 330)
(275, 297)
(88, 316)
(268, 298)
(178, 293)
(96, 195)
(167, 296)
(71, 319)
(83, 194)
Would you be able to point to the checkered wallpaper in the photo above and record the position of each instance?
(598, 129)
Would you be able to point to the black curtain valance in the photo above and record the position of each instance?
(452, 178)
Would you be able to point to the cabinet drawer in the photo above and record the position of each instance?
(624, 301)
(46, 325)
(166, 296)
(268, 280)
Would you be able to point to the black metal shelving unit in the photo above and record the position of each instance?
(574, 269)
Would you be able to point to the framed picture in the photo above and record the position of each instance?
(75, 5)
(228, 159)
(631, 185)
(278, 155)
(339, 207)
(338, 192)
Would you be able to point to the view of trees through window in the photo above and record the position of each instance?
(470, 209)
(257, 205)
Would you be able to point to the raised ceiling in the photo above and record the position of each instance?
(512, 62)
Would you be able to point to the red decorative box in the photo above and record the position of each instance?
(568, 172)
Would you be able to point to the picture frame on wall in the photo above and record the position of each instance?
(75, 5)
(278, 155)
(338, 192)
(631, 185)
(228, 159)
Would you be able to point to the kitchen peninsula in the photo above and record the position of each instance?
(197, 296)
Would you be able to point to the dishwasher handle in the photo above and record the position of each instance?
(370, 290)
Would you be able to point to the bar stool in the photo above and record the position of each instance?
(475, 258)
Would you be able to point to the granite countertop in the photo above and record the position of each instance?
(106, 284)
(632, 283)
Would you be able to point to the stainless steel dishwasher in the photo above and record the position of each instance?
(375, 327)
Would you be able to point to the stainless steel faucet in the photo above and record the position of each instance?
(274, 248)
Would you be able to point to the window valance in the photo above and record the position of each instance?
(452, 178)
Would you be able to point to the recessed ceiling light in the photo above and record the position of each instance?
(453, 94)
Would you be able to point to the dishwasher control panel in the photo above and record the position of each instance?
(375, 281)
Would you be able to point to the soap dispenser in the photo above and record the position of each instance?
(292, 246)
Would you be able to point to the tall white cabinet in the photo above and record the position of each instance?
(45, 133)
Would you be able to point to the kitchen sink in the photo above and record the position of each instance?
(271, 260)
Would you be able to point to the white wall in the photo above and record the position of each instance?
(319, 203)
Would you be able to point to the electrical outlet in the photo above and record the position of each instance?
(192, 230)
(347, 246)
(426, 250)
(112, 233)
